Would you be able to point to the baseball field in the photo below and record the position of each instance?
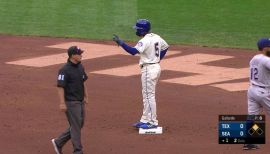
(204, 74)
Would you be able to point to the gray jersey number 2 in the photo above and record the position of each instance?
(254, 73)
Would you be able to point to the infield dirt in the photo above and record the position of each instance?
(197, 84)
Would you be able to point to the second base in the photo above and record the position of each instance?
(157, 130)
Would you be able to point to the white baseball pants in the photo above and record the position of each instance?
(149, 78)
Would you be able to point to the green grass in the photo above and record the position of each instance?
(215, 23)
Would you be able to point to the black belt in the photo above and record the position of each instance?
(148, 64)
(259, 86)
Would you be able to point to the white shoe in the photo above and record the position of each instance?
(56, 148)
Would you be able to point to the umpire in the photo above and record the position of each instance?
(73, 96)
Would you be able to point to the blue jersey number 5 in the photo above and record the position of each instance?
(157, 49)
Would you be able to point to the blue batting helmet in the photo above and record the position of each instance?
(263, 42)
(142, 27)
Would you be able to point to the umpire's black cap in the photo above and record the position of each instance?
(74, 50)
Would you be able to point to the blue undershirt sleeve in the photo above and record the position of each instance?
(130, 50)
(163, 53)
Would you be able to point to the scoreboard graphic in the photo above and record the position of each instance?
(241, 129)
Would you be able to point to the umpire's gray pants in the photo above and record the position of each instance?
(75, 115)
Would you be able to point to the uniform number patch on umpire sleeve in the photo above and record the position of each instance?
(61, 77)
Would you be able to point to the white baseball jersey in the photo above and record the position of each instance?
(149, 48)
(260, 70)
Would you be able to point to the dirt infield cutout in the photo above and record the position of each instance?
(233, 86)
(193, 63)
(91, 51)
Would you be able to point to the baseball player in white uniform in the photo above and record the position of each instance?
(259, 91)
(151, 48)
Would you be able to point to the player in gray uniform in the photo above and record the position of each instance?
(259, 91)
(151, 48)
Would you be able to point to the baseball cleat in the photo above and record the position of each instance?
(138, 124)
(57, 149)
(148, 126)
(250, 147)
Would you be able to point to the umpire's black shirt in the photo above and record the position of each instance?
(71, 77)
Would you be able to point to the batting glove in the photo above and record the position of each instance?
(117, 40)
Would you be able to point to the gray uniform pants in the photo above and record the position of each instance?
(75, 115)
(258, 98)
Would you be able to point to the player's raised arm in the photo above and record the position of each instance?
(127, 48)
